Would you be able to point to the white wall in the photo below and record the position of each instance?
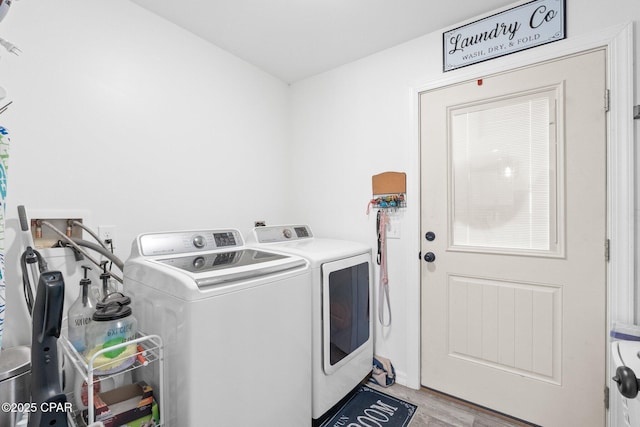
(356, 121)
(142, 124)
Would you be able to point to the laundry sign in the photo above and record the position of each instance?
(522, 27)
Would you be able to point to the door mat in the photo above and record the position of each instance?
(369, 407)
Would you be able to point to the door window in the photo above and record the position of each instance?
(503, 169)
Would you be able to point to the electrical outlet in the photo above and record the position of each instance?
(393, 228)
(107, 232)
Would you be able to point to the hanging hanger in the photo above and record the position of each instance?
(5, 107)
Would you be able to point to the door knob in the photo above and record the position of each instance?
(429, 257)
(430, 236)
(627, 382)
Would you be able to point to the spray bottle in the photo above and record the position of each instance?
(80, 313)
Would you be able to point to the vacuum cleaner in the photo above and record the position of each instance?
(31, 262)
(48, 400)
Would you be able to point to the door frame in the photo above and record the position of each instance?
(618, 41)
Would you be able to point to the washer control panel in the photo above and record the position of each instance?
(180, 242)
(282, 233)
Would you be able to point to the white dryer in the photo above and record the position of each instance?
(236, 326)
(341, 274)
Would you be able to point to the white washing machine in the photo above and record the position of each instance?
(236, 326)
(341, 274)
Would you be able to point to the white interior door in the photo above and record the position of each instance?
(514, 196)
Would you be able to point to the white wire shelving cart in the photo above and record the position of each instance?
(149, 353)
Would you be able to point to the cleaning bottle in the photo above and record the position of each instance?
(107, 285)
(79, 317)
(80, 314)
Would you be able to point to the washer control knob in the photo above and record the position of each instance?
(198, 263)
(199, 242)
(287, 233)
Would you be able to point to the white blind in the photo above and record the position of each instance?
(503, 174)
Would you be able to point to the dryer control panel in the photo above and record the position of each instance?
(282, 233)
(180, 242)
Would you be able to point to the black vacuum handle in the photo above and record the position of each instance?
(22, 215)
(45, 375)
(47, 314)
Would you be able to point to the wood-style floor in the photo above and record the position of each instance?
(437, 410)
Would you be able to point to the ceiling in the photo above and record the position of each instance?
(295, 39)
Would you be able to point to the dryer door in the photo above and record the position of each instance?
(346, 296)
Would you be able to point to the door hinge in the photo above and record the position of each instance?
(607, 100)
(606, 398)
(607, 245)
